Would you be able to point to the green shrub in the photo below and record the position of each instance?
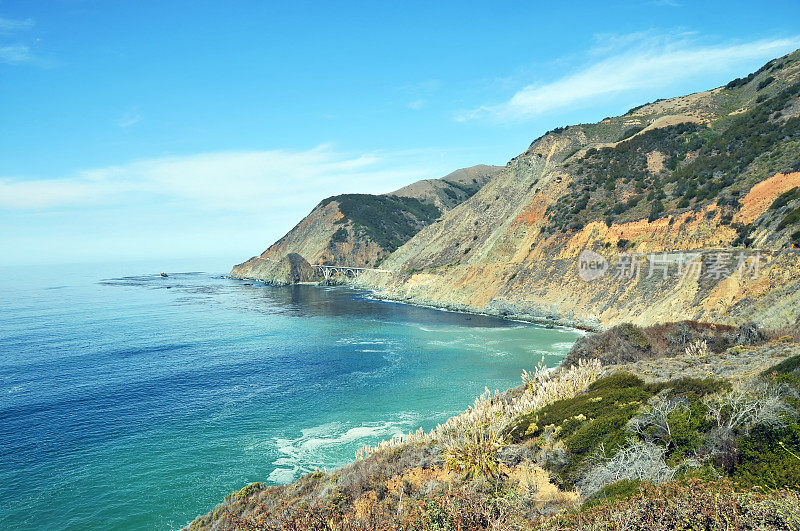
(620, 490)
(725, 156)
(634, 334)
(387, 220)
(619, 380)
(630, 131)
(340, 235)
(584, 423)
(247, 491)
(769, 458)
(693, 388)
(739, 81)
(600, 417)
(792, 218)
(765, 82)
(787, 366)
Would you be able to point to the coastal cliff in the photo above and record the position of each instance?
(689, 208)
(713, 173)
(360, 230)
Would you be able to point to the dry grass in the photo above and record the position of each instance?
(492, 412)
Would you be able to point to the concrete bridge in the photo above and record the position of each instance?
(351, 272)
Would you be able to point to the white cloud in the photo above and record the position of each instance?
(628, 63)
(416, 105)
(15, 53)
(230, 180)
(128, 119)
(10, 25)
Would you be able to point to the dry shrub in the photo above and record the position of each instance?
(789, 334)
(642, 461)
(421, 480)
(474, 453)
(653, 423)
(629, 343)
(698, 349)
(535, 490)
(690, 504)
(746, 406)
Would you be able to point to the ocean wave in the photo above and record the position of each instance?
(563, 346)
(326, 445)
(361, 341)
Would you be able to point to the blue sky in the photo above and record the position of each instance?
(181, 130)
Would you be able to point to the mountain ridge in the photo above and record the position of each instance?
(360, 230)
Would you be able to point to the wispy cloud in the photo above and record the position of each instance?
(12, 50)
(128, 119)
(15, 54)
(626, 63)
(420, 93)
(9, 25)
(238, 180)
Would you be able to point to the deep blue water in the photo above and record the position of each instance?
(133, 401)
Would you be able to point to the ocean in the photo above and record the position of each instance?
(133, 401)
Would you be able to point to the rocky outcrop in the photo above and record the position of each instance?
(291, 269)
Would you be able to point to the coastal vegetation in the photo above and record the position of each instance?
(697, 166)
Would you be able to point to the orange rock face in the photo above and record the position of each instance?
(762, 195)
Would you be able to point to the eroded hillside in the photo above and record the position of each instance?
(691, 203)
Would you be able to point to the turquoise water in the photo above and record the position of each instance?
(138, 402)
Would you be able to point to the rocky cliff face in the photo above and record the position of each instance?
(360, 230)
(690, 207)
(289, 269)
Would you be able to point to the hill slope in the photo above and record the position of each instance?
(359, 230)
(452, 189)
(714, 172)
